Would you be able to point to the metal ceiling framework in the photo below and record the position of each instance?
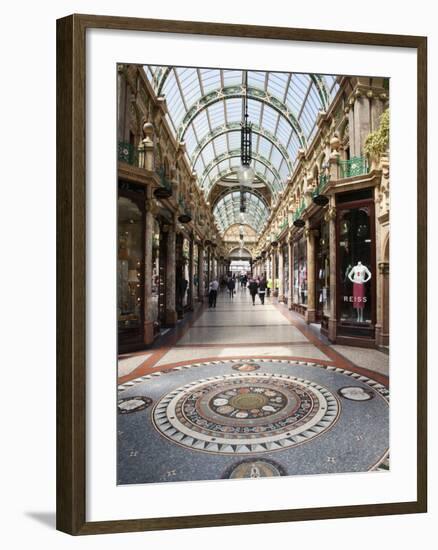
(227, 211)
(205, 110)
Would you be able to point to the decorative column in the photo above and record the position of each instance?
(382, 333)
(361, 121)
(280, 274)
(311, 299)
(290, 290)
(192, 272)
(171, 315)
(330, 216)
(273, 271)
(148, 326)
(201, 285)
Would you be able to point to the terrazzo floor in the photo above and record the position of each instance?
(249, 391)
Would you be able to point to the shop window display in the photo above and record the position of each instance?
(300, 272)
(186, 273)
(355, 262)
(129, 265)
(155, 295)
(323, 271)
(286, 271)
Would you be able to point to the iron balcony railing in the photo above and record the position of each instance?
(299, 211)
(126, 152)
(356, 166)
(322, 184)
(164, 182)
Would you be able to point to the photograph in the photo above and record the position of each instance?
(253, 261)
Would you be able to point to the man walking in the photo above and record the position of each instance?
(212, 293)
(262, 290)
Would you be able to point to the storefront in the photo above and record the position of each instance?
(299, 295)
(285, 253)
(158, 288)
(130, 266)
(322, 275)
(356, 271)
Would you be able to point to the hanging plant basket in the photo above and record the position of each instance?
(185, 218)
(162, 192)
(320, 200)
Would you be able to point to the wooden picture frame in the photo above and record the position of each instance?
(71, 273)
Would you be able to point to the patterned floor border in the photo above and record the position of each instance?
(377, 386)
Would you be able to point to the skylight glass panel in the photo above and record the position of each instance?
(234, 109)
(232, 78)
(210, 79)
(277, 84)
(254, 108)
(256, 79)
(190, 140)
(200, 123)
(216, 114)
(284, 171)
(270, 119)
(208, 153)
(284, 130)
(275, 157)
(264, 147)
(293, 147)
(220, 144)
(234, 139)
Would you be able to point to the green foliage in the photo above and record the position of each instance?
(377, 142)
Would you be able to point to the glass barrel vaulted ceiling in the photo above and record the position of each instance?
(205, 110)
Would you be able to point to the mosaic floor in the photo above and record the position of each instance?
(243, 414)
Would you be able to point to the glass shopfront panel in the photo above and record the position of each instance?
(195, 270)
(186, 273)
(300, 272)
(129, 266)
(356, 243)
(323, 271)
(286, 271)
(155, 287)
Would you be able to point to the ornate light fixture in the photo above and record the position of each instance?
(246, 171)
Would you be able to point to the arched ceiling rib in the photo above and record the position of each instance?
(205, 110)
(228, 136)
(227, 211)
(233, 183)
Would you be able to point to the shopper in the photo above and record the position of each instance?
(253, 287)
(269, 286)
(212, 293)
(231, 286)
(262, 290)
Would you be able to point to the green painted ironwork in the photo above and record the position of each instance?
(323, 182)
(225, 173)
(324, 95)
(164, 182)
(126, 152)
(235, 153)
(255, 94)
(356, 166)
(284, 223)
(299, 210)
(235, 127)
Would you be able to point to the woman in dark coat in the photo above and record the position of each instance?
(262, 290)
(231, 286)
(253, 287)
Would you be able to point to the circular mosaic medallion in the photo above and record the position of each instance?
(246, 367)
(246, 413)
(254, 469)
(133, 404)
(356, 393)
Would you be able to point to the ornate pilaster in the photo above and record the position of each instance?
(148, 327)
(290, 290)
(201, 282)
(280, 275)
(311, 298)
(330, 216)
(171, 314)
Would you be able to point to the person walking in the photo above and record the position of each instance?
(231, 286)
(262, 290)
(269, 286)
(212, 293)
(253, 287)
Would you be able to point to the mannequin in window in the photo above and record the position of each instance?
(359, 275)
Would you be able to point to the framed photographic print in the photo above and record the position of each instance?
(241, 274)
